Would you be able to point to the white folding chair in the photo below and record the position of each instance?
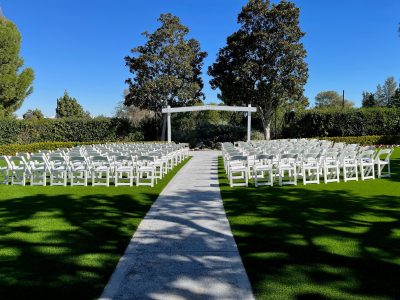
(58, 170)
(5, 168)
(19, 168)
(349, 166)
(331, 167)
(382, 160)
(366, 164)
(123, 166)
(238, 170)
(100, 170)
(263, 169)
(39, 168)
(310, 168)
(79, 170)
(145, 171)
(287, 165)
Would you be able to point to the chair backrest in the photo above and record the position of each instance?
(238, 159)
(56, 160)
(123, 160)
(288, 158)
(4, 162)
(99, 160)
(38, 160)
(26, 155)
(18, 162)
(367, 154)
(145, 159)
(311, 157)
(78, 162)
(384, 154)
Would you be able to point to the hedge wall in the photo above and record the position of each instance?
(13, 131)
(12, 149)
(367, 140)
(353, 122)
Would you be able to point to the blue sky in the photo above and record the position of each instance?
(80, 45)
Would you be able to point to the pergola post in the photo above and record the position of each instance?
(169, 125)
(249, 124)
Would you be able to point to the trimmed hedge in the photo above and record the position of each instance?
(12, 149)
(366, 140)
(13, 131)
(352, 122)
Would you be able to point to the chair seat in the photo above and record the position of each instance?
(101, 169)
(146, 168)
(124, 169)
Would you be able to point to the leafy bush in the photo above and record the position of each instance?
(209, 135)
(367, 139)
(12, 149)
(352, 122)
(14, 131)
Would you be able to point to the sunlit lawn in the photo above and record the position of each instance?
(64, 242)
(326, 241)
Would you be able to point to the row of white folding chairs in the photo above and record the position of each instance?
(78, 167)
(311, 167)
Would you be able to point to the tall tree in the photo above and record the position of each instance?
(15, 84)
(368, 100)
(35, 114)
(68, 107)
(331, 99)
(396, 98)
(380, 95)
(166, 70)
(389, 89)
(263, 62)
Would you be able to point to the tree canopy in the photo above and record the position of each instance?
(368, 100)
(35, 114)
(166, 69)
(15, 84)
(263, 62)
(386, 95)
(331, 99)
(68, 107)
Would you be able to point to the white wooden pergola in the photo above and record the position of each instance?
(248, 109)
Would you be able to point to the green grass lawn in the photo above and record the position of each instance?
(326, 241)
(64, 242)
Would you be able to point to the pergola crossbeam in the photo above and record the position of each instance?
(209, 107)
(248, 109)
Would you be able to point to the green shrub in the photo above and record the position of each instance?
(352, 122)
(209, 135)
(14, 131)
(12, 149)
(367, 139)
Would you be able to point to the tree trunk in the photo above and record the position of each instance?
(164, 127)
(267, 131)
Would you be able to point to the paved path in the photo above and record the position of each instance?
(183, 248)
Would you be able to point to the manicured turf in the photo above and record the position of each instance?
(327, 241)
(64, 242)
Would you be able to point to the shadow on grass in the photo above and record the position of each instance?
(315, 243)
(65, 247)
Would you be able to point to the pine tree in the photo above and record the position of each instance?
(68, 107)
(15, 84)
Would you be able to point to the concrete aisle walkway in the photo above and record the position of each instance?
(183, 248)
